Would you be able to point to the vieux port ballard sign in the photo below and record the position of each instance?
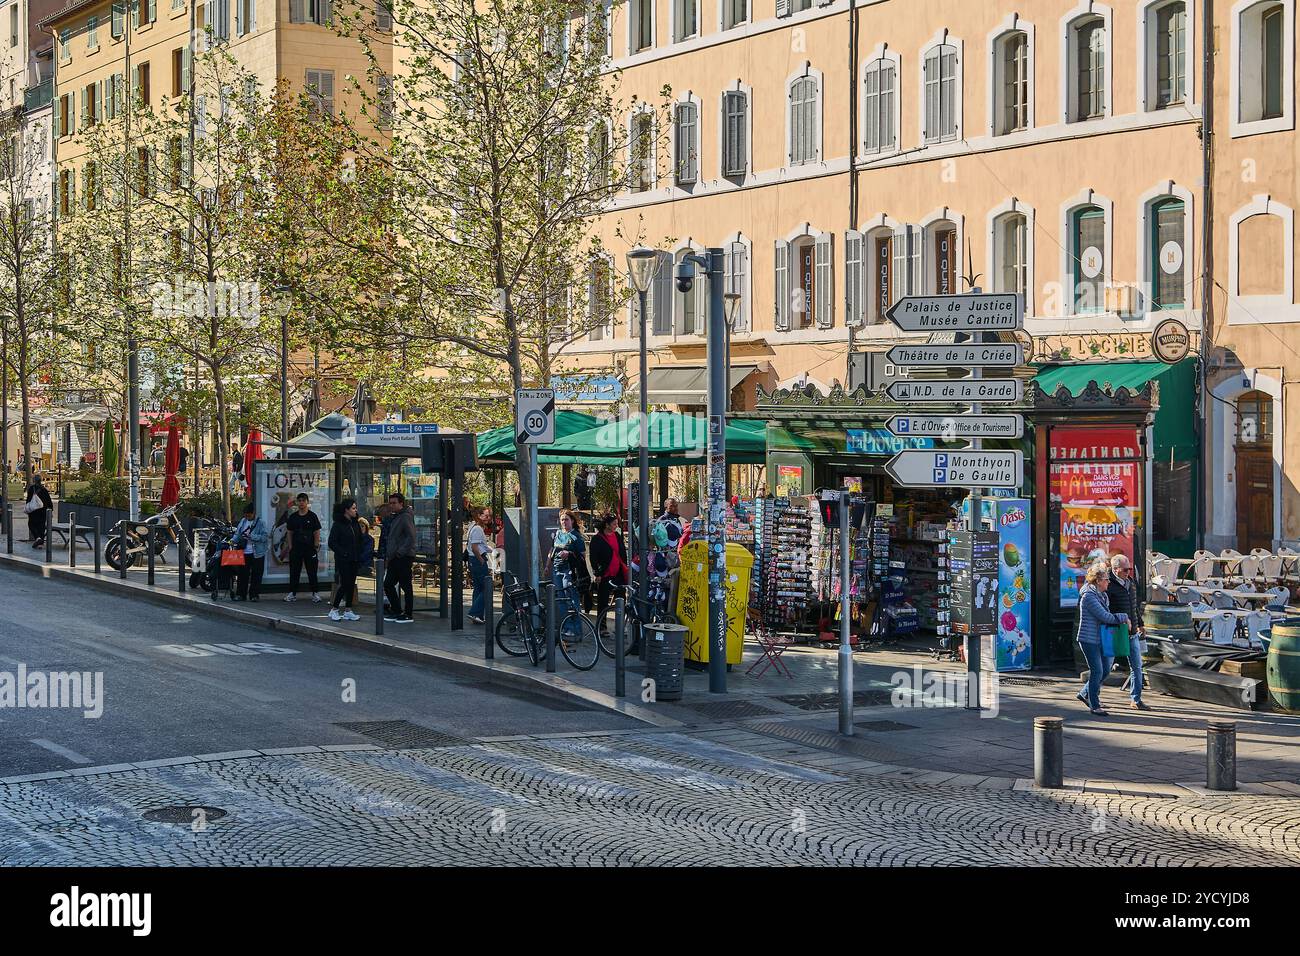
(968, 468)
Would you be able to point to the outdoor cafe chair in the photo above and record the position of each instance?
(1160, 593)
(1247, 571)
(1257, 621)
(1223, 628)
(1186, 595)
(1279, 598)
(1222, 600)
(1165, 568)
(1270, 568)
(772, 645)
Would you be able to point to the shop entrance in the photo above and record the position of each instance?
(1254, 471)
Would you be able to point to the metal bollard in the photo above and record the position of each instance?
(620, 665)
(489, 585)
(181, 563)
(121, 550)
(72, 539)
(1221, 755)
(9, 523)
(1049, 762)
(149, 545)
(49, 537)
(99, 521)
(550, 628)
(379, 596)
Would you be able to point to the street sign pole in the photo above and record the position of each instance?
(717, 447)
(972, 641)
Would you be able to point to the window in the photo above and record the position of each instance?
(905, 267)
(854, 276)
(89, 105)
(384, 102)
(735, 133)
(180, 72)
(1255, 418)
(940, 80)
(175, 162)
(600, 294)
(598, 155)
(1088, 53)
(803, 121)
(383, 16)
(735, 270)
(804, 282)
(1012, 83)
(65, 192)
(63, 119)
(1263, 67)
(642, 173)
(65, 45)
(947, 272)
(142, 84)
(90, 186)
(1011, 247)
(686, 19)
(1088, 259)
(309, 11)
(687, 144)
(320, 88)
(1170, 55)
(687, 316)
(245, 17)
(879, 103)
(13, 26)
(1271, 64)
(216, 19)
(641, 23)
(143, 171)
(1168, 288)
(117, 21)
(734, 13)
(92, 28)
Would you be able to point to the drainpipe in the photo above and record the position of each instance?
(853, 171)
(1207, 263)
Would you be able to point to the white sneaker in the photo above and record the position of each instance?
(290, 597)
(334, 615)
(316, 598)
(349, 616)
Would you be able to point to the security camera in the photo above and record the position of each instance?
(685, 276)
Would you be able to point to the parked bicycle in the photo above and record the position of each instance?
(519, 633)
(637, 613)
(212, 537)
(165, 525)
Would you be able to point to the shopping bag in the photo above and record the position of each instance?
(232, 558)
(1114, 640)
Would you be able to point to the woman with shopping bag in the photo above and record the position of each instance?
(37, 507)
(1094, 617)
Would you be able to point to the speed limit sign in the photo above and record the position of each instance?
(535, 416)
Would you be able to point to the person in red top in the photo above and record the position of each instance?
(608, 563)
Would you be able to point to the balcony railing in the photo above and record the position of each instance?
(39, 95)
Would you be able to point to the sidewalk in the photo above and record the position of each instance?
(900, 729)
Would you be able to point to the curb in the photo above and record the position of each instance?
(548, 685)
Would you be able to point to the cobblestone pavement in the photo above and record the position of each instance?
(643, 797)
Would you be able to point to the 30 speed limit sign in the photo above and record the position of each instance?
(535, 416)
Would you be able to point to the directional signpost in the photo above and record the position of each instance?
(534, 425)
(993, 355)
(956, 469)
(958, 313)
(956, 427)
(956, 390)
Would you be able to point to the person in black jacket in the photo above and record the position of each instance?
(38, 519)
(608, 564)
(1123, 596)
(345, 542)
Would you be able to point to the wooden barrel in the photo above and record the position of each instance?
(1284, 665)
(1166, 615)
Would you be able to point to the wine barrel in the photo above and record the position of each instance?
(1284, 665)
(1165, 615)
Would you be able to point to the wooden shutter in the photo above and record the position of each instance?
(661, 296)
(323, 11)
(823, 280)
(687, 143)
(239, 18)
(85, 106)
(296, 11)
(782, 285)
(187, 66)
(871, 111)
(853, 274)
(251, 25)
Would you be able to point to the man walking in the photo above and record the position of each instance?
(399, 557)
(303, 528)
(1122, 593)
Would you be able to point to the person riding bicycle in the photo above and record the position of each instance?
(567, 565)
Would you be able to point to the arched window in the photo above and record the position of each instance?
(735, 134)
(1168, 257)
(1088, 258)
(939, 71)
(642, 165)
(600, 299)
(804, 121)
(1011, 252)
(1167, 49)
(1087, 53)
(736, 277)
(687, 143)
(879, 103)
(1011, 83)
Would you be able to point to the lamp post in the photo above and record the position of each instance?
(642, 264)
(282, 306)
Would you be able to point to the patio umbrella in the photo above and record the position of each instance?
(171, 492)
(109, 448)
(674, 438)
(252, 453)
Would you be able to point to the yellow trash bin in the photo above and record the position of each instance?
(693, 598)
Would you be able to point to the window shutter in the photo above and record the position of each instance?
(823, 263)
(661, 296)
(85, 106)
(239, 18)
(100, 110)
(324, 10)
(152, 12)
(853, 275)
(200, 116)
(187, 65)
(901, 266)
(383, 16)
(782, 285)
(251, 25)
(57, 121)
(296, 13)
(948, 93)
(135, 13)
(783, 8)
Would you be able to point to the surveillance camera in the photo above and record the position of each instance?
(685, 276)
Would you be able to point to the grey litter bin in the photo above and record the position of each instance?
(665, 659)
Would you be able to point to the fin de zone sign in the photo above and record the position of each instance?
(977, 312)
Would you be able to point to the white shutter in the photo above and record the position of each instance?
(782, 260)
(948, 92)
(823, 263)
(853, 276)
(661, 297)
(783, 8)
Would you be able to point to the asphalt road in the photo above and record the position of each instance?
(248, 688)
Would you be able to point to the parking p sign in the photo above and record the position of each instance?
(535, 416)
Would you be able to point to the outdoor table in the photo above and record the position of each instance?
(81, 531)
(1257, 597)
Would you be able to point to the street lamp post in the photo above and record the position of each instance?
(642, 264)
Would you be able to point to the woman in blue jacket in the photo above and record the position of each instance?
(1094, 611)
(254, 537)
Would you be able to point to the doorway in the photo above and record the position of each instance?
(1254, 471)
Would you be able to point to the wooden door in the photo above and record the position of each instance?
(1254, 498)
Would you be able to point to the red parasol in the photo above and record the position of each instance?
(171, 492)
(252, 453)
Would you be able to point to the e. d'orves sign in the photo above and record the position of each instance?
(954, 427)
(956, 390)
(993, 355)
(977, 312)
(960, 469)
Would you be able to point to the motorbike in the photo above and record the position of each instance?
(206, 572)
(166, 530)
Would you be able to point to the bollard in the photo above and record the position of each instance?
(72, 539)
(49, 538)
(620, 666)
(121, 550)
(149, 545)
(1221, 755)
(9, 523)
(181, 563)
(379, 596)
(489, 650)
(1049, 763)
(99, 521)
(550, 628)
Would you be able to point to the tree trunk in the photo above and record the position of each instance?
(223, 442)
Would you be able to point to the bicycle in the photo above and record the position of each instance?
(635, 616)
(518, 635)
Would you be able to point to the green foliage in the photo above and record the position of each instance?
(102, 491)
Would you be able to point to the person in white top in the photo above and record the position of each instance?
(477, 546)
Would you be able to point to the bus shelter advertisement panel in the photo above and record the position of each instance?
(1098, 496)
(279, 483)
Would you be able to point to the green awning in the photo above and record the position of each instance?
(1174, 423)
(497, 446)
(1076, 376)
(673, 439)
